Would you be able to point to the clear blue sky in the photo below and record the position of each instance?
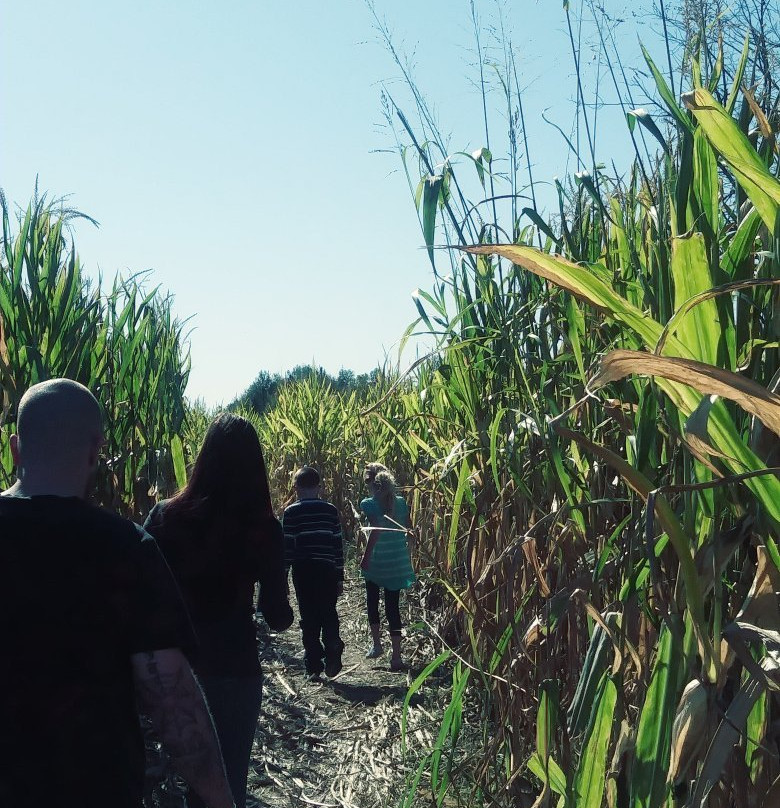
(231, 147)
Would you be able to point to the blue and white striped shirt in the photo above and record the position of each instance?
(312, 532)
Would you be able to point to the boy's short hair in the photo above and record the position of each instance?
(307, 477)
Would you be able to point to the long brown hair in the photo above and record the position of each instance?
(229, 476)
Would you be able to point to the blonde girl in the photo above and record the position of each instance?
(386, 562)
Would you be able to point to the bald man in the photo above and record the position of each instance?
(92, 627)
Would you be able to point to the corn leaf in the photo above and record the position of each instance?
(734, 147)
(590, 779)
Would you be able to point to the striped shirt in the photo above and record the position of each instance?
(312, 532)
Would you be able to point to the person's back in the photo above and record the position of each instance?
(220, 536)
(394, 520)
(389, 565)
(216, 566)
(313, 530)
(314, 550)
(386, 561)
(93, 628)
(79, 595)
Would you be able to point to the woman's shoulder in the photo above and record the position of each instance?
(172, 525)
(156, 515)
(368, 505)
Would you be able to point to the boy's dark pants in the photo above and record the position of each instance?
(315, 587)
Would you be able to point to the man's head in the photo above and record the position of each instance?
(59, 431)
(307, 481)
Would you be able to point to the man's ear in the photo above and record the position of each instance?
(94, 450)
(15, 449)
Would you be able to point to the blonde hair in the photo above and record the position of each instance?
(372, 469)
(384, 490)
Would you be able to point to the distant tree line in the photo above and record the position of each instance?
(262, 393)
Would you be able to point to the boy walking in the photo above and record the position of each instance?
(314, 550)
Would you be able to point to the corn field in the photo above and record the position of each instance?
(124, 344)
(591, 450)
(599, 438)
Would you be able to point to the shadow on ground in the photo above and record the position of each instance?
(373, 694)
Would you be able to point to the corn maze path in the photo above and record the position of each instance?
(336, 743)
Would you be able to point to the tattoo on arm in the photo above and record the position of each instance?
(170, 695)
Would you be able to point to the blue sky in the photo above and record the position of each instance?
(236, 148)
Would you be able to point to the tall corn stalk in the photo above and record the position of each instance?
(125, 345)
(605, 554)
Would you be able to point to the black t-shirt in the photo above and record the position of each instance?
(80, 591)
(216, 563)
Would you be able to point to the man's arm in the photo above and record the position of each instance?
(170, 695)
(338, 553)
(273, 597)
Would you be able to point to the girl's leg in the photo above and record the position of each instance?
(396, 663)
(393, 612)
(372, 607)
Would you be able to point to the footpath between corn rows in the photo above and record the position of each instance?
(337, 743)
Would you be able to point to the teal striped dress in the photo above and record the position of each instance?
(389, 565)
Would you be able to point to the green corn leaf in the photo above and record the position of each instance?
(457, 503)
(549, 773)
(589, 287)
(430, 203)
(590, 779)
(410, 795)
(592, 676)
(735, 259)
(738, 75)
(654, 735)
(732, 144)
(495, 426)
(646, 119)
(717, 69)
(541, 225)
(696, 71)
(294, 428)
(665, 93)
(699, 330)
(706, 185)
(179, 466)
(449, 729)
(576, 332)
(547, 717)
(756, 728)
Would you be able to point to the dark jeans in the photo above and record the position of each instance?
(234, 702)
(315, 588)
(392, 609)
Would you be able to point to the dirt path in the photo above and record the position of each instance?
(335, 743)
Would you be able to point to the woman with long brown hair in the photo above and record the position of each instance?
(220, 536)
